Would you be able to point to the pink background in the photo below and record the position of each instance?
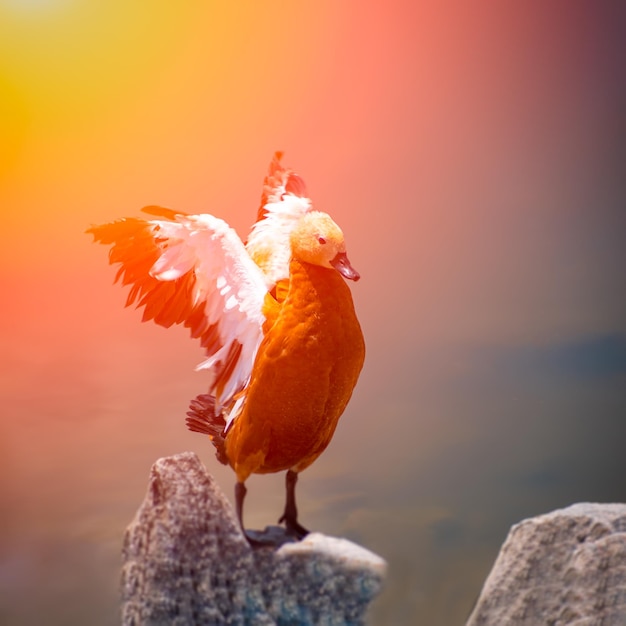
(474, 157)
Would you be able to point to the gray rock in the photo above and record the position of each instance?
(565, 567)
(187, 562)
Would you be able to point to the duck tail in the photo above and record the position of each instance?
(202, 418)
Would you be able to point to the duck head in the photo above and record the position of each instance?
(318, 240)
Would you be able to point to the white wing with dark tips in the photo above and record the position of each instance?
(194, 270)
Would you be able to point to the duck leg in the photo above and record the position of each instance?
(290, 516)
(240, 494)
(273, 536)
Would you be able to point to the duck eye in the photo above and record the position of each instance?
(321, 240)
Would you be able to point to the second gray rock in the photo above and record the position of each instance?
(565, 567)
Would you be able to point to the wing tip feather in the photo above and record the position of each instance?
(159, 211)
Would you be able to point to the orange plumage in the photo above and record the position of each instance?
(306, 368)
(276, 318)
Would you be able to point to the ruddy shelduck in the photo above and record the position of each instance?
(275, 317)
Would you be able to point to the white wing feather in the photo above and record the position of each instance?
(228, 285)
(268, 242)
(284, 201)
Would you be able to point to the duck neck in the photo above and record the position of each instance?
(308, 280)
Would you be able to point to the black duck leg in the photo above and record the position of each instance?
(240, 494)
(290, 516)
(257, 538)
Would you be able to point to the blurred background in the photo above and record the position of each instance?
(474, 155)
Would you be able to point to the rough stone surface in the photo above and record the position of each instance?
(187, 562)
(565, 567)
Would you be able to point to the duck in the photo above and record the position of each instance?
(274, 315)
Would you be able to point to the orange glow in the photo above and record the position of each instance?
(470, 156)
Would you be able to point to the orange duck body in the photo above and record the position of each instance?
(305, 370)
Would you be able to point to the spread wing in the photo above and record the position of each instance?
(194, 270)
(283, 202)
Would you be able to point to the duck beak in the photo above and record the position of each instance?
(342, 265)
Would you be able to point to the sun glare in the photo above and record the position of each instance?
(34, 5)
